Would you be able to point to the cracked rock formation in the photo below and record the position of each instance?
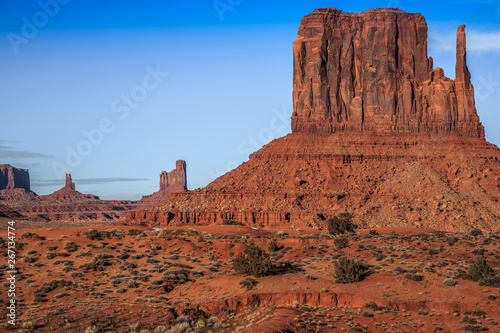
(376, 131)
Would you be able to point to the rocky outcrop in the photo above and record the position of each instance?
(445, 182)
(15, 184)
(11, 178)
(376, 131)
(371, 72)
(68, 192)
(175, 180)
(69, 185)
(8, 213)
(171, 182)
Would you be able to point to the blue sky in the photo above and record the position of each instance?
(130, 87)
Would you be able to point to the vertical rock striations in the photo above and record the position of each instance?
(370, 72)
(464, 90)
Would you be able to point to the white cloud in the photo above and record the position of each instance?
(483, 41)
(442, 42)
(477, 41)
(88, 181)
(6, 152)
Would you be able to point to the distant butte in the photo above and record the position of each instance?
(67, 206)
(171, 182)
(68, 192)
(11, 178)
(376, 131)
(15, 184)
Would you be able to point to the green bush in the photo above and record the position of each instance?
(95, 265)
(71, 247)
(31, 235)
(248, 283)
(253, 261)
(231, 222)
(341, 242)
(480, 270)
(476, 313)
(414, 277)
(476, 232)
(373, 306)
(473, 328)
(134, 232)
(348, 271)
(97, 235)
(272, 246)
(490, 281)
(341, 224)
(48, 287)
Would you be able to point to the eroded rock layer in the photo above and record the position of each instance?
(376, 131)
(445, 182)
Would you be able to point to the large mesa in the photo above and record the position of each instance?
(376, 131)
(11, 178)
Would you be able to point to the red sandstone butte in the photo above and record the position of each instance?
(15, 184)
(171, 182)
(68, 192)
(376, 131)
(11, 178)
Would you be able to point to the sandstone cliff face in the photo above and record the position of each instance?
(370, 72)
(11, 178)
(376, 131)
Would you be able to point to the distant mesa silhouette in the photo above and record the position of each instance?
(15, 184)
(69, 192)
(11, 178)
(68, 206)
